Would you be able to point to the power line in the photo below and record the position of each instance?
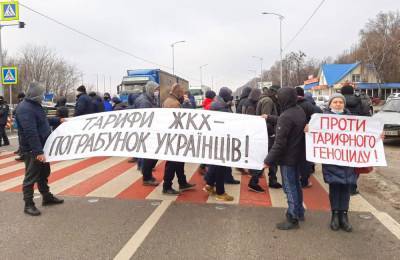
(305, 24)
(96, 40)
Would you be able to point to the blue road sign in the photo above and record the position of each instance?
(9, 75)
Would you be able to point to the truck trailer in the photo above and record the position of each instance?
(135, 81)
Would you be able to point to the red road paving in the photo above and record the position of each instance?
(316, 197)
(62, 173)
(8, 164)
(196, 195)
(89, 185)
(137, 190)
(5, 156)
(253, 198)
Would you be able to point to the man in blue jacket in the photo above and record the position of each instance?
(34, 129)
(84, 104)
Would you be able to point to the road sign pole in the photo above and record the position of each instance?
(10, 95)
(1, 64)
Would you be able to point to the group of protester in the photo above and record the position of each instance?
(286, 111)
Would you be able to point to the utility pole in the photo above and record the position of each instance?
(201, 74)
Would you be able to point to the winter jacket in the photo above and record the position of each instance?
(245, 94)
(207, 103)
(132, 99)
(98, 105)
(220, 105)
(335, 174)
(356, 106)
(107, 106)
(144, 101)
(171, 102)
(250, 105)
(83, 105)
(308, 108)
(33, 126)
(266, 106)
(289, 146)
(4, 110)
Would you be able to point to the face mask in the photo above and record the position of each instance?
(181, 99)
(337, 111)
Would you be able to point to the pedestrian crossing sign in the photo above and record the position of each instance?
(9, 75)
(9, 11)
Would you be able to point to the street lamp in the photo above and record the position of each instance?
(20, 25)
(173, 55)
(281, 17)
(201, 74)
(261, 61)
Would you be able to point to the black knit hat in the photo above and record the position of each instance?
(21, 95)
(81, 88)
(210, 94)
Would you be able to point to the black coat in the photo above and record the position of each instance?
(335, 174)
(84, 105)
(33, 126)
(355, 105)
(308, 108)
(4, 110)
(289, 146)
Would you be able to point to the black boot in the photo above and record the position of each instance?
(49, 199)
(344, 221)
(335, 220)
(288, 224)
(273, 183)
(30, 209)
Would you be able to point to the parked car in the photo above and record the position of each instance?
(322, 101)
(391, 96)
(389, 115)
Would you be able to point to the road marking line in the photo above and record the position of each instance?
(84, 174)
(137, 239)
(278, 196)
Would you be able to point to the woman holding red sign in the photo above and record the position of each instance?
(339, 178)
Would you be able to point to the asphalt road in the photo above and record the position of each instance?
(103, 228)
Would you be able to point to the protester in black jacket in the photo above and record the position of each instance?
(97, 102)
(84, 103)
(243, 97)
(249, 108)
(356, 107)
(20, 158)
(216, 174)
(306, 167)
(147, 100)
(4, 110)
(288, 151)
(34, 130)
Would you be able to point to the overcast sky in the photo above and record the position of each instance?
(224, 34)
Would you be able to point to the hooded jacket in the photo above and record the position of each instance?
(222, 102)
(308, 108)
(245, 94)
(144, 101)
(83, 105)
(289, 146)
(335, 174)
(250, 104)
(33, 126)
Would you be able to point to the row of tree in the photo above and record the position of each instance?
(378, 45)
(43, 65)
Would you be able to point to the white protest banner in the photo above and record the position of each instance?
(185, 135)
(345, 140)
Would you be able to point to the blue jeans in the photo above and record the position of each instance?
(292, 188)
